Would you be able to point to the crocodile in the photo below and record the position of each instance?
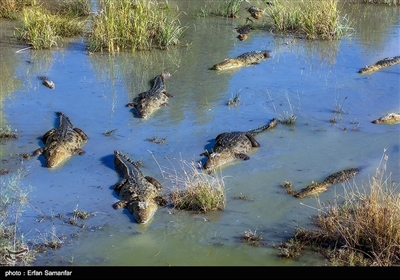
(390, 118)
(255, 12)
(386, 62)
(230, 146)
(243, 31)
(61, 143)
(48, 83)
(316, 188)
(248, 58)
(149, 101)
(140, 194)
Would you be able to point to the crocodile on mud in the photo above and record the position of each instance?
(62, 142)
(246, 59)
(390, 118)
(386, 62)
(140, 194)
(149, 101)
(230, 146)
(316, 188)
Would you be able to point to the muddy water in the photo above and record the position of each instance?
(308, 79)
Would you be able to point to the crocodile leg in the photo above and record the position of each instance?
(253, 140)
(242, 156)
(119, 185)
(154, 182)
(81, 133)
(48, 134)
(79, 151)
(38, 152)
(120, 204)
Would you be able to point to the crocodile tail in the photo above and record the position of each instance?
(271, 124)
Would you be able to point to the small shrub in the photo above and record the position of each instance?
(197, 191)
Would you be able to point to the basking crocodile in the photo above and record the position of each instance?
(317, 188)
(386, 62)
(230, 146)
(61, 143)
(140, 194)
(249, 58)
(149, 101)
(390, 118)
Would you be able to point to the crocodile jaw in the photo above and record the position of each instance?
(143, 211)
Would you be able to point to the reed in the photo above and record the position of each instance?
(10, 9)
(133, 25)
(311, 19)
(42, 30)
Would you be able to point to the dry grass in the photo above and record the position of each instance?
(13, 201)
(9, 9)
(194, 190)
(365, 228)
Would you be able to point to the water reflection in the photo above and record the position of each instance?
(372, 23)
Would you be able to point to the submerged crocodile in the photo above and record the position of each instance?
(149, 101)
(140, 194)
(230, 146)
(249, 58)
(386, 62)
(318, 188)
(61, 143)
(243, 31)
(390, 118)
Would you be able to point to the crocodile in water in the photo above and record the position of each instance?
(62, 142)
(149, 101)
(230, 146)
(317, 188)
(140, 194)
(48, 83)
(249, 58)
(391, 118)
(386, 62)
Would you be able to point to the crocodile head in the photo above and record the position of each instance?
(143, 209)
(146, 108)
(391, 118)
(56, 156)
(215, 160)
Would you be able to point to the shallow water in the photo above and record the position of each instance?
(308, 79)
